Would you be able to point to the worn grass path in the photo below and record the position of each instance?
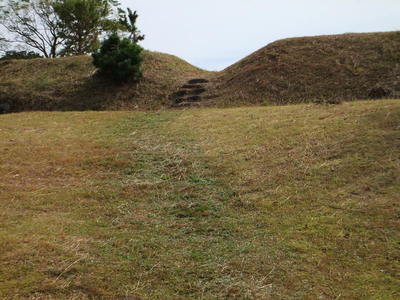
(295, 202)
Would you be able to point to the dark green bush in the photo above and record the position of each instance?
(119, 59)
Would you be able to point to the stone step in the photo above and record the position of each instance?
(198, 91)
(191, 86)
(189, 93)
(178, 94)
(182, 93)
(197, 81)
(188, 99)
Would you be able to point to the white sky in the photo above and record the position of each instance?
(213, 34)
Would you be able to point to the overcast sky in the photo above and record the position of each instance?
(213, 34)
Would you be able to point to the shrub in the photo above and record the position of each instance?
(119, 59)
(20, 55)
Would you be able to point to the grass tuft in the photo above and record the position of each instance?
(289, 202)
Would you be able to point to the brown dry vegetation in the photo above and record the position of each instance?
(337, 67)
(289, 202)
(340, 67)
(71, 84)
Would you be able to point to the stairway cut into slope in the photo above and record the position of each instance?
(192, 93)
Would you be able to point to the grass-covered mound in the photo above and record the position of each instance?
(338, 67)
(71, 84)
(288, 202)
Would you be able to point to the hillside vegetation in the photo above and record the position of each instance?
(340, 67)
(287, 202)
(71, 84)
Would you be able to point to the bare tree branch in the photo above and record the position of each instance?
(33, 23)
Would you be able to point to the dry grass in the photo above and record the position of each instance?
(70, 84)
(337, 67)
(325, 68)
(291, 202)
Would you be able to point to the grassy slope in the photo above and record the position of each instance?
(344, 67)
(69, 84)
(291, 202)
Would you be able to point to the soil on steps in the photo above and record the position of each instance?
(193, 93)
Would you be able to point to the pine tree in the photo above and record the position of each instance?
(128, 23)
(119, 59)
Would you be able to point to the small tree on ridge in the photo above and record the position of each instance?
(119, 59)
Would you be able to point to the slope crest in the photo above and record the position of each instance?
(70, 83)
(345, 67)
